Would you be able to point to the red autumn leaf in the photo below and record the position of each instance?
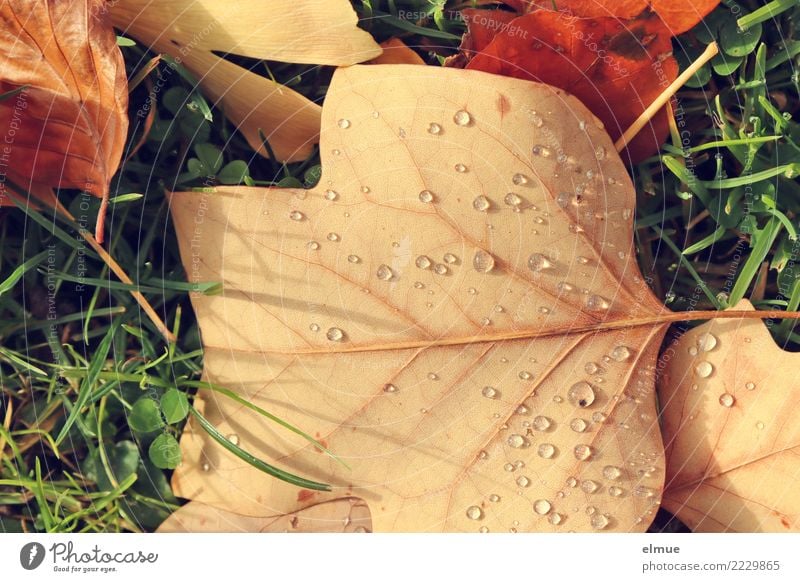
(66, 126)
(677, 16)
(482, 27)
(616, 68)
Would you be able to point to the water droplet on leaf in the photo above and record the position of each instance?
(483, 262)
(462, 118)
(517, 441)
(542, 506)
(581, 394)
(385, 273)
(589, 486)
(578, 425)
(423, 262)
(519, 179)
(583, 452)
(706, 342)
(335, 334)
(620, 353)
(537, 263)
(599, 521)
(546, 451)
(542, 423)
(474, 512)
(489, 392)
(597, 303)
(704, 369)
(481, 203)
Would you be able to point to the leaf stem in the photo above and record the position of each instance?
(666, 95)
(665, 318)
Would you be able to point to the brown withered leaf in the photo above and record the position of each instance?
(455, 311)
(732, 438)
(67, 126)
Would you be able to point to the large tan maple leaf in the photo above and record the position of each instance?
(455, 311)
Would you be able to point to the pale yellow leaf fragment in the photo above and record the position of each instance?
(198, 33)
(732, 438)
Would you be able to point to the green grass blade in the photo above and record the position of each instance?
(787, 224)
(246, 403)
(411, 27)
(684, 175)
(103, 501)
(786, 52)
(689, 267)
(158, 286)
(786, 170)
(41, 499)
(44, 324)
(85, 393)
(17, 273)
(766, 12)
(13, 357)
(705, 243)
(255, 461)
(725, 143)
(753, 263)
(50, 226)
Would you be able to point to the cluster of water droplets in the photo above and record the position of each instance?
(704, 369)
(482, 259)
(587, 399)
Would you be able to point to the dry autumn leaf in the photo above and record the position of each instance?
(67, 126)
(455, 311)
(731, 436)
(199, 33)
